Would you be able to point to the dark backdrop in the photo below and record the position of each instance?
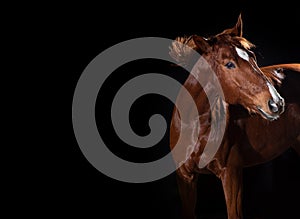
(80, 32)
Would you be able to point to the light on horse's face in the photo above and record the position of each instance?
(242, 53)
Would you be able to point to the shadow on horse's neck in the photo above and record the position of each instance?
(237, 112)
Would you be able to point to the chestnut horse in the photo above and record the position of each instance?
(247, 88)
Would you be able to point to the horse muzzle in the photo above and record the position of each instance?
(275, 109)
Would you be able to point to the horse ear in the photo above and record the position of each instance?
(183, 48)
(202, 45)
(237, 30)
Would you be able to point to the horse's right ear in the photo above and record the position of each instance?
(183, 49)
(237, 30)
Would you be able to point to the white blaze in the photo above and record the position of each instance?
(275, 95)
(242, 53)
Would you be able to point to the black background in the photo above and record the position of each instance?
(73, 34)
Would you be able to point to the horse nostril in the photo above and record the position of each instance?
(273, 106)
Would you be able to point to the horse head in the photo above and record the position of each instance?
(230, 56)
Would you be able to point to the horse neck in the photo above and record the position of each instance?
(210, 116)
(207, 109)
(198, 94)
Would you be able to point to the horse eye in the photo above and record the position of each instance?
(230, 65)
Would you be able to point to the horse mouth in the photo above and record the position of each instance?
(267, 115)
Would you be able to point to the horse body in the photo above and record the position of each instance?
(250, 138)
(264, 140)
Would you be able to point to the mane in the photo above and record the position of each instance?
(183, 48)
(233, 40)
(246, 44)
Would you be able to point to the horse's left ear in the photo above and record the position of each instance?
(237, 30)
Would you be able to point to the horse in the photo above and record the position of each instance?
(251, 101)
